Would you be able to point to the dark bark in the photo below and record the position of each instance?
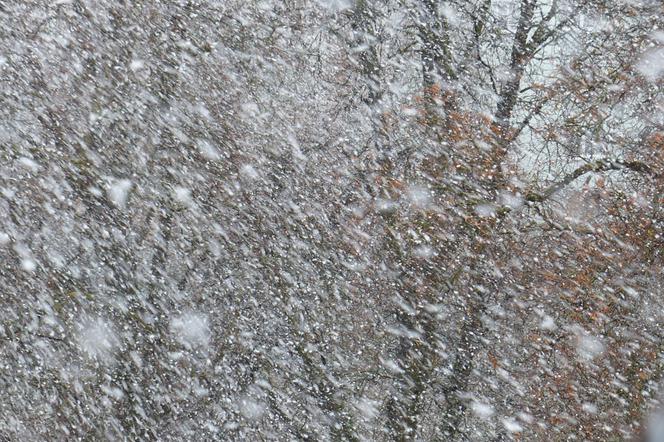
(520, 57)
(438, 75)
(368, 58)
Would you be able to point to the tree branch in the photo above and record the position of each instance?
(519, 59)
(596, 166)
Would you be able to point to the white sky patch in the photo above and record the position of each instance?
(118, 192)
(191, 330)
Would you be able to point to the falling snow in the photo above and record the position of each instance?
(332, 220)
